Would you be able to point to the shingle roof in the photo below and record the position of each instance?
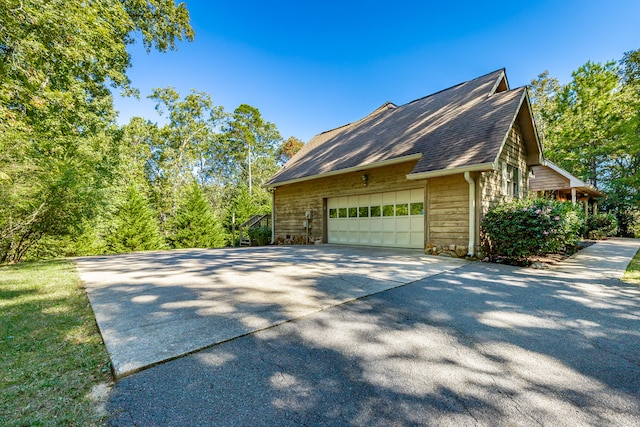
(458, 127)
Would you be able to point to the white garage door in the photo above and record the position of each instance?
(393, 219)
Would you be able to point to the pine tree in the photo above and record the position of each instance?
(195, 225)
(135, 225)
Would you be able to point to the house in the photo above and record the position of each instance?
(550, 180)
(418, 175)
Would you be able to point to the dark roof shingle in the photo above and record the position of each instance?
(458, 127)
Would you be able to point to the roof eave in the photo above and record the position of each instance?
(503, 76)
(534, 157)
(539, 160)
(574, 182)
(388, 162)
(480, 167)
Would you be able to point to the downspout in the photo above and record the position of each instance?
(273, 215)
(472, 213)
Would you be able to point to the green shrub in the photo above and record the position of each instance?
(519, 229)
(260, 235)
(602, 225)
(574, 226)
(627, 222)
(635, 225)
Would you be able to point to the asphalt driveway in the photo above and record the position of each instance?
(480, 344)
(156, 306)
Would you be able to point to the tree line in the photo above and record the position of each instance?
(590, 126)
(73, 182)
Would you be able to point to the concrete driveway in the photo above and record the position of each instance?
(480, 344)
(156, 306)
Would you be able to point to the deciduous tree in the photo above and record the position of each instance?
(187, 146)
(591, 127)
(288, 148)
(251, 145)
(56, 115)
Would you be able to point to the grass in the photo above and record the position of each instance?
(632, 275)
(51, 352)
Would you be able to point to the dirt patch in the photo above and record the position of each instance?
(99, 394)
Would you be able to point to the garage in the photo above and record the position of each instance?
(393, 219)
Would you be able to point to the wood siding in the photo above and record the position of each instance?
(446, 200)
(293, 200)
(546, 179)
(448, 211)
(513, 154)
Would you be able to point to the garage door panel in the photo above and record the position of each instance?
(403, 224)
(403, 238)
(403, 196)
(388, 238)
(379, 219)
(417, 240)
(388, 198)
(388, 224)
(416, 223)
(375, 238)
(364, 237)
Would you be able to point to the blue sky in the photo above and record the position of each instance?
(312, 66)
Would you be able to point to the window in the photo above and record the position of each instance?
(402, 209)
(375, 211)
(417, 208)
(388, 210)
(510, 180)
(514, 182)
(333, 213)
(363, 211)
(353, 212)
(342, 212)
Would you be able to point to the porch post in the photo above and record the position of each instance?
(586, 207)
(573, 195)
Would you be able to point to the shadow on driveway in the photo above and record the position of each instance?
(480, 345)
(156, 306)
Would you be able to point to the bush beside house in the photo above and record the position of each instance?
(260, 236)
(517, 230)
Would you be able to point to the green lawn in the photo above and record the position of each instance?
(51, 353)
(632, 275)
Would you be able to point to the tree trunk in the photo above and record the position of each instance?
(250, 186)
